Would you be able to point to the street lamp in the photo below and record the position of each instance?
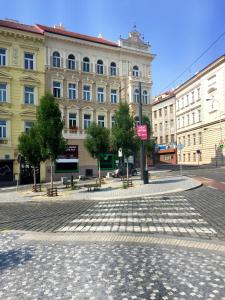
(221, 134)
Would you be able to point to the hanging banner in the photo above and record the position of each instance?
(142, 132)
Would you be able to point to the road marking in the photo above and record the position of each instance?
(212, 187)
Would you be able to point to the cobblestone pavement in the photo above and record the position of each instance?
(107, 271)
(198, 214)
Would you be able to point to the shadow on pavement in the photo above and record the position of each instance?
(12, 258)
(167, 181)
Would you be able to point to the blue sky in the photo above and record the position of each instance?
(177, 30)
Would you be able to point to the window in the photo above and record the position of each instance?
(187, 100)
(56, 61)
(100, 95)
(87, 121)
(113, 121)
(27, 125)
(172, 138)
(199, 115)
(155, 114)
(155, 127)
(3, 129)
(161, 139)
(135, 71)
(72, 91)
(189, 139)
(72, 120)
(136, 96)
(194, 139)
(172, 123)
(178, 123)
(193, 118)
(179, 140)
(166, 124)
(3, 89)
(2, 57)
(86, 64)
(29, 95)
(171, 108)
(200, 138)
(184, 157)
(113, 96)
(145, 97)
(184, 140)
(100, 67)
(71, 62)
(167, 139)
(28, 61)
(182, 102)
(101, 121)
(182, 121)
(56, 89)
(192, 96)
(87, 93)
(160, 126)
(160, 112)
(189, 157)
(165, 111)
(198, 93)
(188, 120)
(194, 156)
(113, 69)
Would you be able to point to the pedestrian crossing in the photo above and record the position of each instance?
(156, 214)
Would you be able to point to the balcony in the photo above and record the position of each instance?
(4, 141)
(74, 133)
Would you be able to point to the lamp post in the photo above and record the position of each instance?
(221, 134)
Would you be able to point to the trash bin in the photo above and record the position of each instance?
(145, 176)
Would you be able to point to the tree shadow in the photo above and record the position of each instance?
(12, 258)
(167, 181)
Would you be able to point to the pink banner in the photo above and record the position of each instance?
(142, 132)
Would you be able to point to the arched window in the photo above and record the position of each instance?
(113, 69)
(86, 64)
(136, 96)
(71, 62)
(100, 66)
(145, 97)
(56, 61)
(135, 71)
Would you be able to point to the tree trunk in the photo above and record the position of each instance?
(99, 170)
(51, 173)
(127, 169)
(35, 178)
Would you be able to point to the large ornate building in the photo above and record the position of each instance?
(21, 86)
(200, 117)
(89, 76)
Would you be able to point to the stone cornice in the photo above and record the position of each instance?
(10, 33)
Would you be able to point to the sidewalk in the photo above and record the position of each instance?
(111, 190)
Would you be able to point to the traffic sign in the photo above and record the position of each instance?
(221, 146)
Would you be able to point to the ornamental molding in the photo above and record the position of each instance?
(5, 76)
(30, 79)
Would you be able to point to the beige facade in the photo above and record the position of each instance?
(164, 119)
(90, 76)
(200, 116)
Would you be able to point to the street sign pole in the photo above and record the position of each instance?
(181, 167)
(142, 142)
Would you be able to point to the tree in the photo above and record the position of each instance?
(123, 132)
(50, 126)
(97, 142)
(149, 143)
(29, 147)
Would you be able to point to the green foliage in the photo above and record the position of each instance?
(50, 128)
(149, 144)
(97, 141)
(29, 146)
(123, 132)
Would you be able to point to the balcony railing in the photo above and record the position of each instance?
(4, 141)
(76, 132)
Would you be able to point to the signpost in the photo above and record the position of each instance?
(180, 147)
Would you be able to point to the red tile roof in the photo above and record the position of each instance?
(76, 35)
(19, 26)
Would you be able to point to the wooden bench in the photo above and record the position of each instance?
(52, 192)
(127, 183)
(36, 188)
(93, 186)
